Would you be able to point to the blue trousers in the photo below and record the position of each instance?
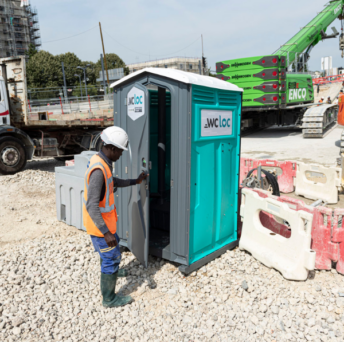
(111, 256)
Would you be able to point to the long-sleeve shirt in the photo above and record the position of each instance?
(96, 193)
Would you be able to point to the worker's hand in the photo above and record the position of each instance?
(110, 239)
(142, 176)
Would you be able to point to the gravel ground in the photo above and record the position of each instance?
(49, 287)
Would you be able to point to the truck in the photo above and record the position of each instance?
(55, 130)
(276, 95)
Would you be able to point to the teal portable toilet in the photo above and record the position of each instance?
(184, 129)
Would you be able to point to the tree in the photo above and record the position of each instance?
(113, 62)
(43, 70)
(32, 51)
(71, 62)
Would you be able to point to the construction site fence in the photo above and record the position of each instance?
(328, 79)
(73, 105)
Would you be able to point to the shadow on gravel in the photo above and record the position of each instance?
(144, 275)
(44, 165)
(275, 132)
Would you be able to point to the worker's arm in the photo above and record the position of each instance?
(123, 183)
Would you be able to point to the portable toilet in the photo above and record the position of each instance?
(184, 130)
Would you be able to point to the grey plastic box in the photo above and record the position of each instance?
(69, 185)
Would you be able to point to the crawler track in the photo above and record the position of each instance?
(317, 121)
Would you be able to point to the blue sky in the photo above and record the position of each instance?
(140, 30)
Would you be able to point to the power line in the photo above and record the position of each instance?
(50, 41)
(145, 54)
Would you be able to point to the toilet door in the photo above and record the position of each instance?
(137, 117)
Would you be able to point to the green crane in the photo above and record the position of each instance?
(272, 95)
(298, 48)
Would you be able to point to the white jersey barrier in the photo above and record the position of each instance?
(291, 256)
(318, 182)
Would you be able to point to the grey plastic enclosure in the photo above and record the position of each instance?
(69, 186)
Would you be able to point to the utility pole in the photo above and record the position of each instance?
(103, 73)
(202, 55)
(65, 84)
(107, 73)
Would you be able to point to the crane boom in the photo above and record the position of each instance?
(275, 96)
(312, 33)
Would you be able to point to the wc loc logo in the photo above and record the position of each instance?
(135, 100)
(217, 123)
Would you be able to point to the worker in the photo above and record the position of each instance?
(329, 101)
(321, 100)
(335, 102)
(341, 108)
(99, 211)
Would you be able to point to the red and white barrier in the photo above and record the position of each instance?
(69, 162)
(293, 256)
(285, 180)
(328, 79)
(338, 237)
(327, 230)
(294, 176)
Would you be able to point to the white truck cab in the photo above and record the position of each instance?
(4, 107)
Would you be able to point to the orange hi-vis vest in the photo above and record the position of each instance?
(106, 205)
(341, 110)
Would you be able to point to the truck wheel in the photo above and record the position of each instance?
(99, 145)
(12, 156)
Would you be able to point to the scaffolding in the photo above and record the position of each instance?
(19, 27)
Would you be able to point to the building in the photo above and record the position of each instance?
(114, 75)
(18, 27)
(190, 64)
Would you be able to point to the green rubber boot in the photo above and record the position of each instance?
(121, 273)
(108, 287)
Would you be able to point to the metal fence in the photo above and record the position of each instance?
(74, 105)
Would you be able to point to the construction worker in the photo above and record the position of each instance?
(341, 108)
(329, 101)
(335, 102)
(99, 211)
(321, 100)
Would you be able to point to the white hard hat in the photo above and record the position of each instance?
(115, 136)
(323, 98)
